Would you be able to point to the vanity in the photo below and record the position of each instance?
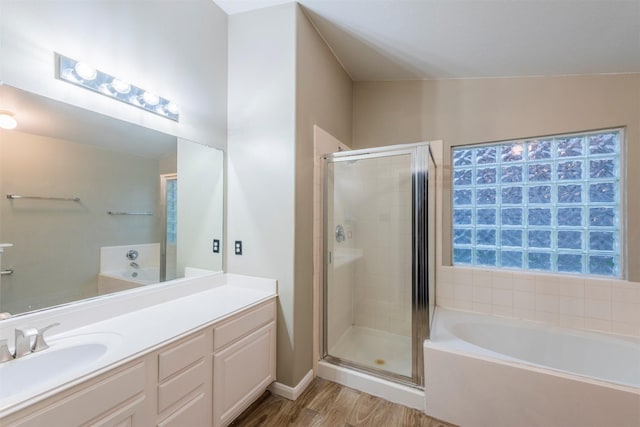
(195, 351)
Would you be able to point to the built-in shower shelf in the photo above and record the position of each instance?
(343, 256)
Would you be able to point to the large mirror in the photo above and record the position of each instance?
(93, 205)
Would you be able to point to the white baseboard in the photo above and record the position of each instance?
(292, 393)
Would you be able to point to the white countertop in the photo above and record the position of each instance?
(133, 333)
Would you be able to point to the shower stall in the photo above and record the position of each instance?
(379, 260)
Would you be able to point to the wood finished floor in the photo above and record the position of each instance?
(327, 404)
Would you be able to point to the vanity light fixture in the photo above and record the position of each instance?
(7, 121)
(88, 77)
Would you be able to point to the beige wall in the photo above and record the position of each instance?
(55, 256)
(323, 98)
(482, 110)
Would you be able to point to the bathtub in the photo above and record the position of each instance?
(488, 371)
(114, 281)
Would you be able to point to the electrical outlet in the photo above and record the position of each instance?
(216, 246)
(238, 247)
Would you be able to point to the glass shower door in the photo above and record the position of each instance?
(371, 269)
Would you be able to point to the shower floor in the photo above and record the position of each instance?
(375, 349)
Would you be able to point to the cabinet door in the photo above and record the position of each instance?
(241, 372)
(125, 416)
(113, 399)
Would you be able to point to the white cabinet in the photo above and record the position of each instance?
(242, 372)
(184, 382)
(190, 414)
(204, 379)
(244, 361)
(117, 398)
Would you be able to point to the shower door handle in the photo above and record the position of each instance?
(340, 236)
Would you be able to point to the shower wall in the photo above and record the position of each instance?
(383, 281)
(372, 317)
(344, 254)
(324, 143)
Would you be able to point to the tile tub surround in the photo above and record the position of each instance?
(482, 370)
(114, 258)
(143, 318)
(596, 304)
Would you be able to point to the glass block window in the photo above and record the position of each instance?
(172, 211)
(550, 204)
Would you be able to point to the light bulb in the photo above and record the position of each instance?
(84, 75)
(150, 98)
(173, 108)
(7, 121)
(85, 71)
(120, 86)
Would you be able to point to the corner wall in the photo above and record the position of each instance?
(261, 161)
(282, 81)
(323, 98)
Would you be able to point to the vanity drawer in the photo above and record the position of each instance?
(236, 328)
(181, 355)
(181, 385)
(191, 414)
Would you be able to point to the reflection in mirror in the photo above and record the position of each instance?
(104, 213)
(169, 213)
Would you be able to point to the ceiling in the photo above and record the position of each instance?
(439, 39)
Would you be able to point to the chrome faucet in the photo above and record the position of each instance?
(134, 264)
(27, 341)
(5, 354)
(23, 341)
(39, 343)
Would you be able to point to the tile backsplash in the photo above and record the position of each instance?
(598, 304)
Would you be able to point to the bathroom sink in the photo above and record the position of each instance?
(65, 357)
